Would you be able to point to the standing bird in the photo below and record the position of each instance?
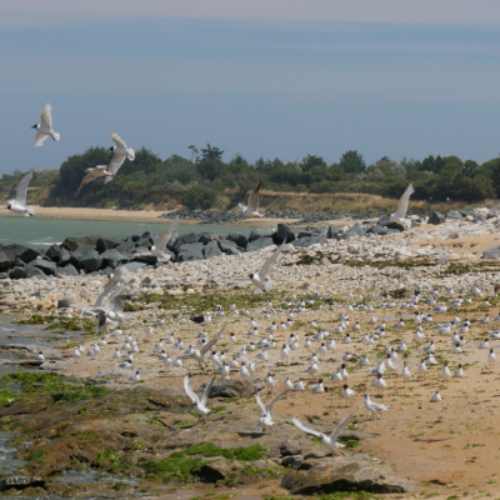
(400, 214)
(259, 279)
(200, 405)
(328, 441)
(266, 419)
(18, 204)
(121, 153)
(44, 129)
(252, 210)
(374, 407)
(159, 249)
(92, 174)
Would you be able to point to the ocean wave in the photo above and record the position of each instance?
(50, 243)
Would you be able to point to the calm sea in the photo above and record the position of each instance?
(40, 233)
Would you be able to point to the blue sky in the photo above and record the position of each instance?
(281, 81)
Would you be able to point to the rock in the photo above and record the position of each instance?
(147, 258)
(240, 239)
(217, 470)
(259, 244)
(332, 232)
(324, 262)
(390, 224)
(54, 252)
(48, 267)
(454, 215)
(478, 218)
(378, 230)
(284, 233)
(355, 230)
(232, 389)
(104, 244)
(113, 258)
(233, 251)
(212, 249)
(21, 482)
(260, 233)
(226, 245)
(189, 252)
(316, 230)
(126, 248)
(146, 240)
(74, 243)
(5, 262)
(492, 252)
(207, 238)
(186, 239)
(68, 270)
(17, 273)
(436, 218)
(64, 258)
(132, 267)
(442, 260)
(308, 241)
(346, 475)
(34, 272)
(85, 257)
(64, 303)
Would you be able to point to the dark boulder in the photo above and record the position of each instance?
(307, 241)
(332, 232)
(47, 267)
(232, 389)
(355, 230)
(263, 232)
(492, 252)
(186, 239)
(85, 257)
(126, 248)
(391, 224)
(5, 262)
(21, 482)
(226, 245)
(259, 244)
(104, 244)
(436, 218)
(454, 215)
(68, 270)
(211, 249)
(190, 251)
(54, 252)
(206, 238)
(17, 273)
(74, 243)
(113, 258)
(239, 238)
(478, 218)
(147, 258)
(284, 233)
(64, 258)
(34, 272)
(64, 303)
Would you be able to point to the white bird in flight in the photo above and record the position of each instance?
(18, 204)
(159, 249)
(252, 210)
(328, 441)
(200, 405)
(266, 418)
(121, 153)
(92, 174)
(44, 129)
(400, 214)
(259, 279)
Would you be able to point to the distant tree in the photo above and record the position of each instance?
(311, 161)
(199, 196)
(194, 151)
(352, 162)
(211, 153)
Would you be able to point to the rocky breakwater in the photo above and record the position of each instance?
(145, 432)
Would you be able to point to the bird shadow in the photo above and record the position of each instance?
(253, 435)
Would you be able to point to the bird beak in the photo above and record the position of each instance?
(33, 126)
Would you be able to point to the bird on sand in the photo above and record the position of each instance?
(44, 128)
(252, 210)
(374, 407)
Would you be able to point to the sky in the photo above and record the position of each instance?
(279, 78)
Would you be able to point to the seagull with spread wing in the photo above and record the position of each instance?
(112, 313)
(44, 129)
(328, 441)
(92, 174)
(259, 279)
(199, 354)
(159, 249)
(119, 276)
(400, 214)
(266, 418)
(18, 204)
(200, 405)
(252, 210)
(121, 154)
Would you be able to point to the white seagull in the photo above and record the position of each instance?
(18, 204)
(121, 153)
(266, 419)
(44, 129)
(252, 210)
(159, 249)
(374, 407)
(200, 405)
(400, 214)
(259, 279)
(92, 174)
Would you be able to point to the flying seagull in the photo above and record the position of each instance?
(159, 249)
(329, 441)
(259, 279)
(18, 204)
(121, 153)
(266, 418)
(113, 309)
(44, 129)
(92, 174)
(200, 405)
(252, 210)
(400, 214)
(117, 277)
(199, 355)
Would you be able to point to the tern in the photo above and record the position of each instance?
(252, 210)
(92, 174)
(400, 214)
(328, 441)
(158, 250)
(259, 279)
(374, 407)
(18, 204)
(44, 129)
(200, 405)
(266, 419)
(121, 153)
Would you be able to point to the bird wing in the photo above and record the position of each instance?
(40, 139)
(261, 404)
(340, 428)
(46, 116)
(212, 342)
(190, 391)
(119, 301)
(101, 320)
(22, 188)
(206, 392)
(115, 165)
(108, 288)
(118, 140)
(305, 428)
(404, 201)
(253, 199)
(165, 237)
(87, 180)
(275, 400)
(266, 268)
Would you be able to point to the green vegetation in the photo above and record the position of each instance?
(71, 324)
(206, 179)
(37, 455)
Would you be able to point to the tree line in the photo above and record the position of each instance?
(196, 182)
